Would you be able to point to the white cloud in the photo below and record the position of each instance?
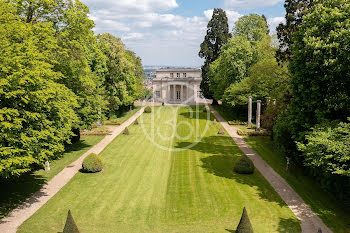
(133, 35)
(133, 5)
(232, 16)
(147, 27)
(274, 22)
(248, 4)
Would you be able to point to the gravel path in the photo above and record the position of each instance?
(310, 222)
(10, 223)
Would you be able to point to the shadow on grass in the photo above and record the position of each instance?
(285, 225)
(15, 191)
(221, 162)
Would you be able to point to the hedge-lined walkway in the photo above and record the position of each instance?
(10, 223)
(310, 222)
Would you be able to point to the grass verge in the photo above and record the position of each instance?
(332, 214)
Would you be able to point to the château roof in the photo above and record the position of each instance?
(178, 70)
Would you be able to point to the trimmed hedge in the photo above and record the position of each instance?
(237, 123)
(112, 122)
(253, 133)
(92, 163)
(148, 109)
(244, 166)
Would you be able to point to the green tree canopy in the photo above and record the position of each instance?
(253, 27)
(320, 67)
(231, 66)
(328, 148)
(266, 79)
(123, 78)
(36, 113)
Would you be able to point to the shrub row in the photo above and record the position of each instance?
(112, 122)
(253, 133)
(237, 123)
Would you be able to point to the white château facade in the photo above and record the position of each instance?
(177, 86)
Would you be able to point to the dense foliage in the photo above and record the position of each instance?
(320, 69)
(328, 148)
(56, 77)
(217, 35)
(295, 10)
(92, 163)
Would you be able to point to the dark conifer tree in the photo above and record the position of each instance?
(217, 35)
(295, 10)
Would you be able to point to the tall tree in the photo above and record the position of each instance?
(295, 10)
(320, 69)
(217, 35)
(253, 27)
(120, 79)
(36, 113)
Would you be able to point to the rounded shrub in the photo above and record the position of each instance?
(148, 109)
(92, 163)
(206, 109)
(244, 166)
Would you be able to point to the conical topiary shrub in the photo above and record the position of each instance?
(126, 131)
(136, 122)
(70, 226)
(221, 131)
(244, 225)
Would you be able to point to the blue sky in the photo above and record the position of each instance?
(169, 32)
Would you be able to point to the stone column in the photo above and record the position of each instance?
(182, 93)
(258, 112)
(174, 93)
(250, 111)
(168, 94)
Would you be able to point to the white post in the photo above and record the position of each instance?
(258, 112)
(250, 111)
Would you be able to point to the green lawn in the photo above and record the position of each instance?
(19, 190)
(144, 188)
(333, 214)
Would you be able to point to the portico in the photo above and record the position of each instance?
(184, 89)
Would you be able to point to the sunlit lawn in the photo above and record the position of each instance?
(144, 188)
